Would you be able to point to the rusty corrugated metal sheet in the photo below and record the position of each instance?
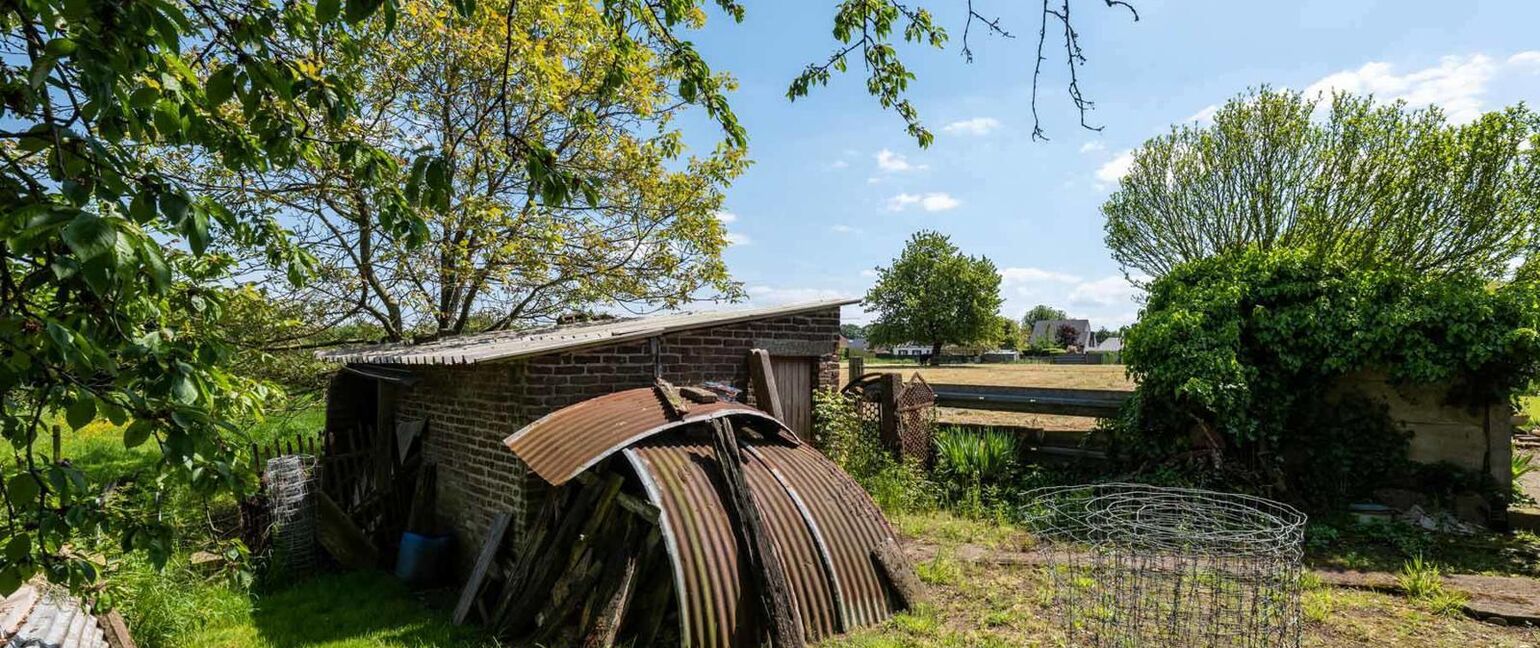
(566, 442)
(823, 530)
(847, 522)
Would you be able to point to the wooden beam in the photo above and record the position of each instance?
(762, 382)
(672, 401)
(489, 547)
(754, 543)
(896, 569)
(341, 538)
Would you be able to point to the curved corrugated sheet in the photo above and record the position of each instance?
(566, 442)
(823, 525)
(848, 522)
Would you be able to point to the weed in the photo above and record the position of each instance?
(1523, 463)
(1318, 604)
(1420, 579)
(940, 570)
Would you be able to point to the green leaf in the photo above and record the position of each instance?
(40, 71)
(60, 47)
(358, 10)
(465, 7)
(90, 236)
(326, 11)
(22, 490)
(196, 228)
(168, 119)
(10, 580)
(144, 97)
(183, 389)
(221, 85)
(81, 412)
(18, 548)
(136, 433)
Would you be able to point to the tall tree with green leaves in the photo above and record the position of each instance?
(1039, 313)
(1350, 179)
(934, 294)
(498, 255)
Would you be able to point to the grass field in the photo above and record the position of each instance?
(1013, 375)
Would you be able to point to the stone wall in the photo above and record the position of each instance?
(1475, 439)
(471, 409)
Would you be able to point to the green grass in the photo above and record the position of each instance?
(176, 606)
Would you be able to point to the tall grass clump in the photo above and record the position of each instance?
(896, 486)
(976, 468)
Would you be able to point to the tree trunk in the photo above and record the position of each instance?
(935, 354)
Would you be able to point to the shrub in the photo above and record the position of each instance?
(854, 446)
(980, 457)
(1242, 350)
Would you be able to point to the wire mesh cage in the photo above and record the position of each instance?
(1138, 565)
(290, 483)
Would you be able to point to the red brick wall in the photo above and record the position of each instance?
(471, 409)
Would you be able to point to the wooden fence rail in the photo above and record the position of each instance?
(1099, 403)
(299, 444)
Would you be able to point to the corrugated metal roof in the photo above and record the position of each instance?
(504, 345)
(47, 617)
(566, 442)
(823, 525)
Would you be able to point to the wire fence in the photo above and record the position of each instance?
(1139, 565)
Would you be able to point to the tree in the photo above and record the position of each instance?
(934, 293)
(1010, 335)
(853, 331)
(1066, 335)
(499, 254)
(1039, 313)
(1368, 184)
(111, 270)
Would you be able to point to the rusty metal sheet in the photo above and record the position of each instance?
(823, 534)
(846, 522)
(564, 443)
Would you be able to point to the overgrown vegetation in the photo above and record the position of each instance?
(1243, 352)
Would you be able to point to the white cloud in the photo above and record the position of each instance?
(1093, 146)
(1113, 170)
(868, 273)
(1203, 116)
(845, 229)
(1527, 59)
(931, 202)
(1107, 291)
(1456, 84)
(735, 239)
(891, 162)
(727, 217)
(776, 295)
(974, 126)
(838, 164)
(874, 180)
(1020, 276)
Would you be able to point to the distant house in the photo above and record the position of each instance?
(855, 344)
(1112, 344)
(1047, 332)
(910, 349)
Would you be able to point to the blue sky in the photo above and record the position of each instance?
(837, 186)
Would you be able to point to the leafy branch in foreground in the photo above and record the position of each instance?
(113, 273)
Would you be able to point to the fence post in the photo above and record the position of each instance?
(892, 384)
(857, 367)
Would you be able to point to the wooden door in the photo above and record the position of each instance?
(794, 382)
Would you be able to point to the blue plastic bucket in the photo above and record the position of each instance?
(423, 559)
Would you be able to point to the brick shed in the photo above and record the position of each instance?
(471, 392)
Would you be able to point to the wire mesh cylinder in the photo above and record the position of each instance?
(290, 484)
(1138, 565)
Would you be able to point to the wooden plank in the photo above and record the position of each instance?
(1101, 403)
(762, 382)
(857, 367)
(755, 545)
(115, 631)
(341, 538)
(613, 594)
(672, 401)
(895, 567)
(699, 395)
(892, 386)
(489, 547)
